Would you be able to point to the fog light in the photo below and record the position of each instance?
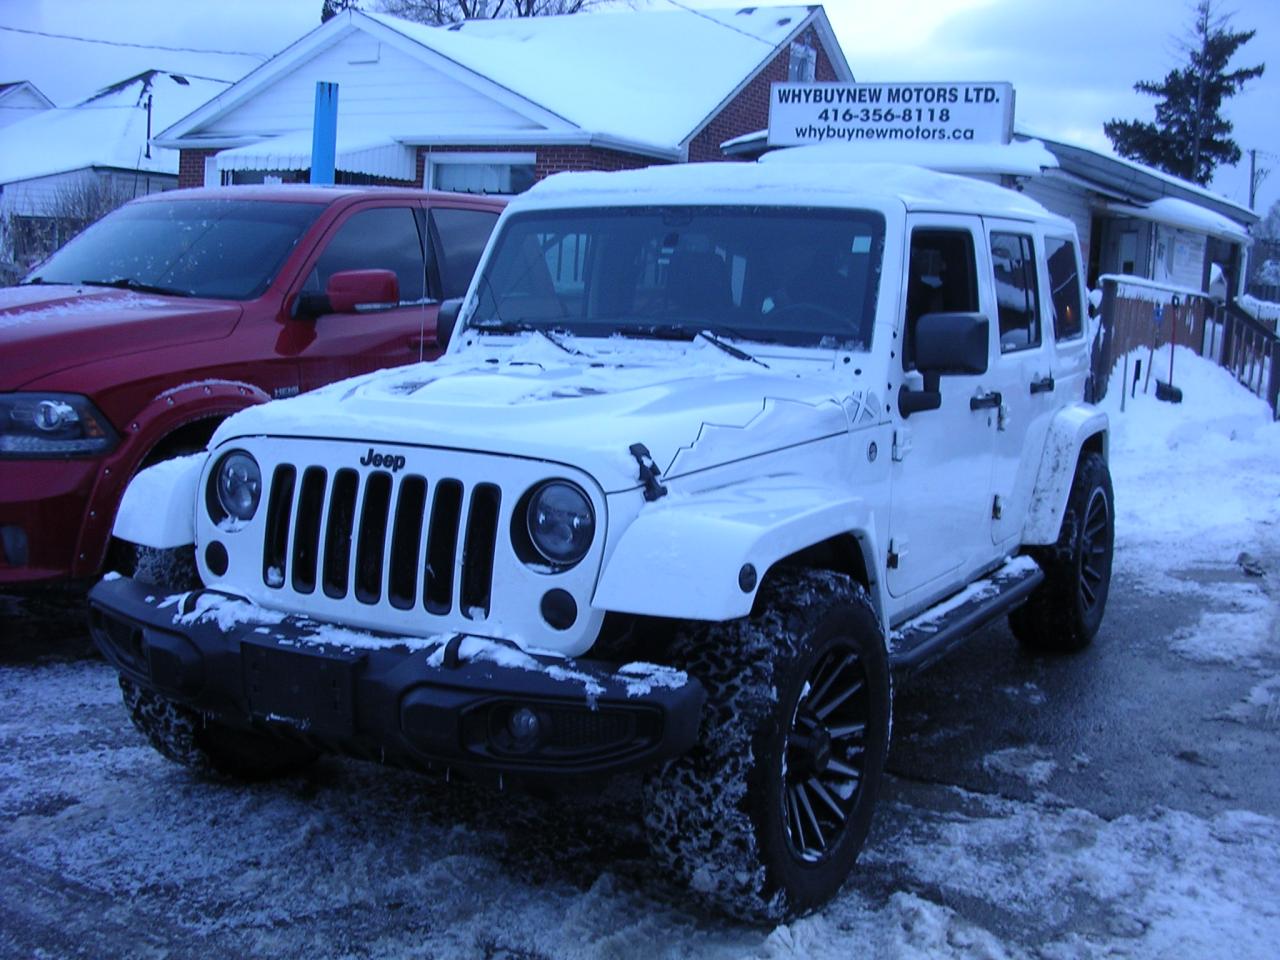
(524, 726)
(13, 541)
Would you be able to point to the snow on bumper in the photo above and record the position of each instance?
(451, 699)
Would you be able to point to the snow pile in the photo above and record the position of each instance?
(1193, 481)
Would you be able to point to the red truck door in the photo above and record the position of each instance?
(390, 236)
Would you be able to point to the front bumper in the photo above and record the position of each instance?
(42, 510)
(417, 702)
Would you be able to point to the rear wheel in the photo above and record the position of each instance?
(1065, 611)
(765, 817)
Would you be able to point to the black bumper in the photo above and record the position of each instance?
(408, 701)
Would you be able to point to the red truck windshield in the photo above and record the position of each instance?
(222, 249)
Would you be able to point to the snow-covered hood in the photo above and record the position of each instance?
(691, 405)
(48, 328)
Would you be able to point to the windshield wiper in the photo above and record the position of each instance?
(729, 348)
(128, 283)
(522, 326)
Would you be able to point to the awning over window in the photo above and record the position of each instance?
(1184, 215)
(374, 154)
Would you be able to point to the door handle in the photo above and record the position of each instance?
(1042, 386)
(986, 401)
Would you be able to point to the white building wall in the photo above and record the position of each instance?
(379, 87)
(43, 196)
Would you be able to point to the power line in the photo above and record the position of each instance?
(141, 46)
(718, 22)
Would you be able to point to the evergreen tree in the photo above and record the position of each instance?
(331, 8)
(1190, 136)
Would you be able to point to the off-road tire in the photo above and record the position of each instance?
(718, 817)
(1064, 613)
(183, 735)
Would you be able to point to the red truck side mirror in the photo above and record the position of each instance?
(350, 291)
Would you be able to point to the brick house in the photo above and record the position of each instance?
(494, 105)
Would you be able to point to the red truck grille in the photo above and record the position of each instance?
(404, 541)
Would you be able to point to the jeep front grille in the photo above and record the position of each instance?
(394, 540)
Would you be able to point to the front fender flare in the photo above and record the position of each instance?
(682, 555)
(1071, 428)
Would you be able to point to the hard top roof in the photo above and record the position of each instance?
(313, 193)
(851, 185)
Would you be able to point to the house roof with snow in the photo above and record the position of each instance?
(642, 81)
(108, 129)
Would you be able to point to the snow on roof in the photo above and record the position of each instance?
(1189, 216)
(647, 76)
(109, 129)
(1142, 170)
(1026, 158)
(842, 185)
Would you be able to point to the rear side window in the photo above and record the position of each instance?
(381, 238)
(1064, 288)
(460, 237)
(1017, 296)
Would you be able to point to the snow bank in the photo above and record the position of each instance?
(1192, 480)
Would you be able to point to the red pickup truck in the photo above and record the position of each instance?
(132, 342)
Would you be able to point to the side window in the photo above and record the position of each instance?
(1064, 288)
(460, 236)
(942, 278)
(1017, 297)
(382, 238)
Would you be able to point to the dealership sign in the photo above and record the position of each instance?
(933, 112)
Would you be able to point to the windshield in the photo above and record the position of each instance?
(226, 249)
(790, 275)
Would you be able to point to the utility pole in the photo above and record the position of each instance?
(1256, 176)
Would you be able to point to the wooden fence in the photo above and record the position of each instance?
(1141, 314)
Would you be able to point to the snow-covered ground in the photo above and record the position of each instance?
(108, 850)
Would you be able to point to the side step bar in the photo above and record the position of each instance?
(930, 635)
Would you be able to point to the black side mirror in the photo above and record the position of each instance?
(446, 320)
(945, 343)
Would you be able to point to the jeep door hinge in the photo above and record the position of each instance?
(997, 508)
(897, 550)
(901, 443)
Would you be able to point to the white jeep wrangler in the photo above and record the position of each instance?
(715, 450)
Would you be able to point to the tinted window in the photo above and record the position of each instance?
(228, 249)
(792, 275)
(942, 278)
(1013, 260)
(460, 236)
(1064, 288)
(382, 238)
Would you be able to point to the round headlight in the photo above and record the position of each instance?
(239, 483)
(561, 522)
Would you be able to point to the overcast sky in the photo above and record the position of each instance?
(1073, 63)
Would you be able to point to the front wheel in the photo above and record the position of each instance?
(1064, 613)
(765, 817)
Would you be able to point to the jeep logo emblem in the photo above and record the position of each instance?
(372, 459)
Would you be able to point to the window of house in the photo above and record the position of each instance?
(942, 278)
(458, 238)
(381, 238)
(1064, 289)
(486, 173)
(1017, 297)
(802, 67)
